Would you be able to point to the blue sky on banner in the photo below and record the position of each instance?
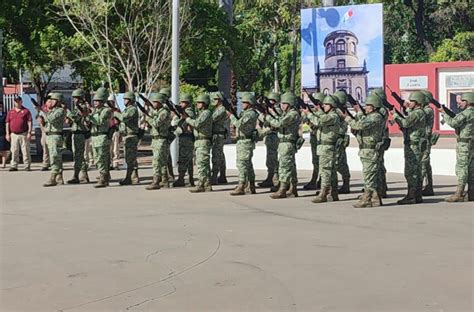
(366, 21)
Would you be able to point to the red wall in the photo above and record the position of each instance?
(395, 71)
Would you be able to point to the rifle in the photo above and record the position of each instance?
(35, 103)
(270, 105)
(301, 104)
(142, 109)
(399, 100)
(353, 103)
(228, 107)
(448, 112)
(264, 109)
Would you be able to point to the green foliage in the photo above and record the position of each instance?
(460, 48)
(191, 89)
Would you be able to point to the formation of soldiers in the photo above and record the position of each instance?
(202, 131)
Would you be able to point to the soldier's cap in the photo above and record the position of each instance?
(166, 91)
(379, 92)
(129, 95)
(418, 97)
(248, 97)
(203, 98)
(56, 96)
(186, 97)
(319, 96)
(373, 100)
(274, 96)
(468, 97)
(111, 98)
(77, 93)
(217, 95)
(288, 98)
(158, 97)
(341, 97)
(428, 96)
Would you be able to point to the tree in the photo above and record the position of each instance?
(460, 48)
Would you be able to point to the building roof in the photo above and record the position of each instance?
(340, 33)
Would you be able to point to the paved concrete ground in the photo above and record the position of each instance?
(75, 248)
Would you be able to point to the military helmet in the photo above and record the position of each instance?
(379, 92)
(468, 96)
(111, 98)
(129, 95)
(274, 96)
(56, 96)
(158, 97)
(78, 93)
(331, 100)
(418, 97)
(186, 97)
(203, 98)
(288, 98)
(101, 94)
(166, 92)
(428, 96)
(217, 95)
(319, 96)
(248, 98)
(341, 96)
(374, 100)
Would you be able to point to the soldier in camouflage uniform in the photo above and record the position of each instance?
(313, 140)
(53, 122)
(202, 129)
(186, 142)
(426, 172)
(246, 137)
(287, 125)
(328, 139)
(80, 131)
(463, 124)
(341, 165)
(169, 164)
(219, 133)
(386, 138)
(129, 131)
(369, 132)
(160, 122)
(414, 128)
(271, 144)
(99, 119)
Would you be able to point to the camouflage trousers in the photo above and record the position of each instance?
(271, 144)
(186, 154)
(413, 153)
(342, 166)
(218, 156)
(160, 148)
(101, 147)
(371, 170)
(426, 171)
(203, 151)
(130, 148)
(327, 165)
(287, 163)
(244, 161)
(382, 175)
(78, 147)
(55, 147)
(465, 163)
(313, 140)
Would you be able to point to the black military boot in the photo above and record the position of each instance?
(409, 199)
(180, 181)
(75, 178)
(345, 188)
(128, 177)
(135, 178)
(470, 191)
(312, 184)
(268, 182)
(428, 189)
(214, 177)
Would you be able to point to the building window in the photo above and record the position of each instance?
(329, 49)
(326, 91)
(341, 46)
(341, 84)
(359, 94)
(341, 64)
(353, 47)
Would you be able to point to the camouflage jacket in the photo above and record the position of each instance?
(160, 122)
(288, 125)
(463, 123)
(54, 119)
(368, 128)
(413, 125)
(202, 125)
(128, 120)
(77, 119)
(99, 119)
(429, 120)
(182, 127)
(329, 126)
(219, 119)
(246, 124)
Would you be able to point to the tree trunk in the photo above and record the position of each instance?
(293, 61)
(419, 25)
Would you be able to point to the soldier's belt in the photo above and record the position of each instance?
(327, 143)
(219, 132)
(284, 140)
(158, 137)
(464, 140)
(203, 139)
(367, 146)
(186, 135)
(54, 133)
(99, 133)
(80, 132)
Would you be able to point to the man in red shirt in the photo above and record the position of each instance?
(18, 132)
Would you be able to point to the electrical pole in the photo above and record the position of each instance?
(225, 71)
(175, 71)
(1, 65)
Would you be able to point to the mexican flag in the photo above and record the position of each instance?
(347, 16)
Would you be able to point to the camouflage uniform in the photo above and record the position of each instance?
(271, 145)
(80, 131)
(288, 126)
(463, 124)
(202, 127)
(414, 128)
(54, 121)
(328, 140)
(169, 164)
(426, 172)
(160, 122)
(370, 137)
(313, 140)
(99, 119)
(246, 138)
(219, 121)
(186, 143)
(341, 163)
(129, 132)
